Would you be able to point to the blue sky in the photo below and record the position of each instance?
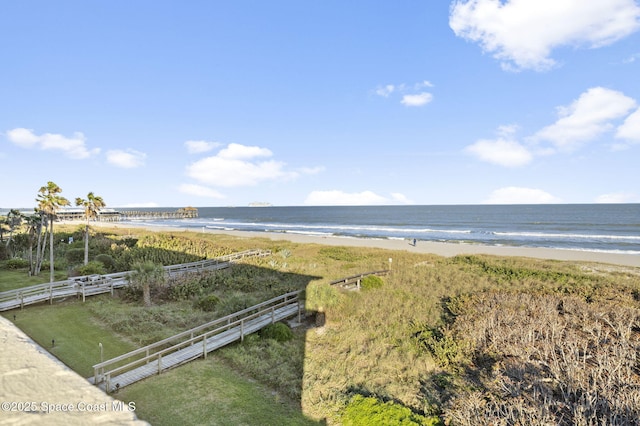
(225, 103)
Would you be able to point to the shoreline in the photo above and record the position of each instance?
(425, 247)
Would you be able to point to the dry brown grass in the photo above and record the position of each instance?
(549, 360)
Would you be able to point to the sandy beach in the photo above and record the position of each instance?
(438, 248)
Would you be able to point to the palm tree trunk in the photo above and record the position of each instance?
(86, 243)
(40, 249)
(146, 294)
(51, 273)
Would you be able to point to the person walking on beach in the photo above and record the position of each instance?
(414, 242)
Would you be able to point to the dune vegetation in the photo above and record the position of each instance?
(467, 340)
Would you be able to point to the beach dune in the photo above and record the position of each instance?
(438, 248)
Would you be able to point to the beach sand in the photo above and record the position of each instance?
(29, 374)
(438, 248)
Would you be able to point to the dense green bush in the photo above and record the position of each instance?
(208, 303)
(366, 411)
(16, 263)
(91, 268)
(278, 331)
(4, 254)
(107, 261)
(74, 255)
(371, 281)
(236, 301)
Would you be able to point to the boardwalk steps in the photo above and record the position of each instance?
(192, 344)
(353, 282)
(91, 285)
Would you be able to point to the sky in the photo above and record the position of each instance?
(154, 103)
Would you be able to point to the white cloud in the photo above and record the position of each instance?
(586, 118)
(618, 197)
(198, 147)
(408, 99)
(126, 159)
(631, 59)
(73, 147)
(200, 191)
(400, 198)
(417, 100)
(311, 170)
(150, 204)
(519, 195)
(503, 151)
(630, 129)
(341, 198)
(523, 33)
(235, 151)
(422, 85)
(236, 165)
(386, 90)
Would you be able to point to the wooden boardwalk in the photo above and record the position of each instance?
(353, 282)
(192, 344)
(91, 285)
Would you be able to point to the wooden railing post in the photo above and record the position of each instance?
(204, 346)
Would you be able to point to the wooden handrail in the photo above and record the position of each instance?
(49, 291)
(189, 337)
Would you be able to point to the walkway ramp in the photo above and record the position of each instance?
(90, 285)
(192, 344)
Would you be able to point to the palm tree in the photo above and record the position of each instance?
(35, 222)
(145, 274)
(14, 220)
(92, 206)
(49, 201)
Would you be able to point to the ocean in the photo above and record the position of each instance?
(611, 228)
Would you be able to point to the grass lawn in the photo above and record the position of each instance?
(209, 392)
(12, 279)
(76, 333)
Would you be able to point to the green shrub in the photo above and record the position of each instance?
(443, 347)
(185, 289)
(236, 301)
(75, 255)
(371, 281)
(16, 263)
(91, 268)
(344, 254)
(278, 331)
(208, 303)
(321, 296)
(107, 261)
(366, 411)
